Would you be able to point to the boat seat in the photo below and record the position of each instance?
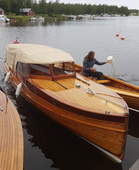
(103, 81)
(90, 77)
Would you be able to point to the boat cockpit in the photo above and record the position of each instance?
(51, 71)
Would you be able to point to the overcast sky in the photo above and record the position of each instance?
(131, 4)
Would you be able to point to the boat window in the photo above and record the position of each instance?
(38, 69)
(63, 68)
(25, 69)
(19, 67)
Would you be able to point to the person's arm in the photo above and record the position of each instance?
(100, 63)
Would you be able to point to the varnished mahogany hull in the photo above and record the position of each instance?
(129, 92)
(103, 131)
(11, 136)
(107, 134)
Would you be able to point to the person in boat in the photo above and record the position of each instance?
(88, 64)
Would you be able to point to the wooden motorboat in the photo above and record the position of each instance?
(47, 79)
(11, 135)
(129, 92)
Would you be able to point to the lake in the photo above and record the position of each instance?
(47, 145)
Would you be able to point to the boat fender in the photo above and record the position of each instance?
(18, 90)
(7, 76)
(110, 59)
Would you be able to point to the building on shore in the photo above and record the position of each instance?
(27, 11)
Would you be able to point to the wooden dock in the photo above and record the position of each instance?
(11, 136)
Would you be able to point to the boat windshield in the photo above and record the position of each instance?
(66, 68)
(39, 70)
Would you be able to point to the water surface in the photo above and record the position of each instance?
(46, 144)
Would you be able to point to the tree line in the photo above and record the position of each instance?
(52, 8)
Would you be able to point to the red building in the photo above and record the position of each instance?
(27, 11)
(1, 11)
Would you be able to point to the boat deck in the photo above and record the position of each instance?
(66, 90)
(11, 136)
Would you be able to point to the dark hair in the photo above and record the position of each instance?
(88, 57)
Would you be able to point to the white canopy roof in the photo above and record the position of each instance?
(34, 54)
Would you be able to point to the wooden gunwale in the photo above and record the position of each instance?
(11, 135)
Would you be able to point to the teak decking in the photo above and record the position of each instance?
(78, 96)
(11, 136)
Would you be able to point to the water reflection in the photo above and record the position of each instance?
(134, 124)
(22, 23)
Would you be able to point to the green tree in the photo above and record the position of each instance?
(35, 7)
(27, 3)
(4, 5)
(42, 7)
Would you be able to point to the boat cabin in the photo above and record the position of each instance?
(45, 71)
(39, 62)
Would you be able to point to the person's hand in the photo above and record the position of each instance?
(107, 61)
(93, 69)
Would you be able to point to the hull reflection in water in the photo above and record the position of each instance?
(134, 124)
